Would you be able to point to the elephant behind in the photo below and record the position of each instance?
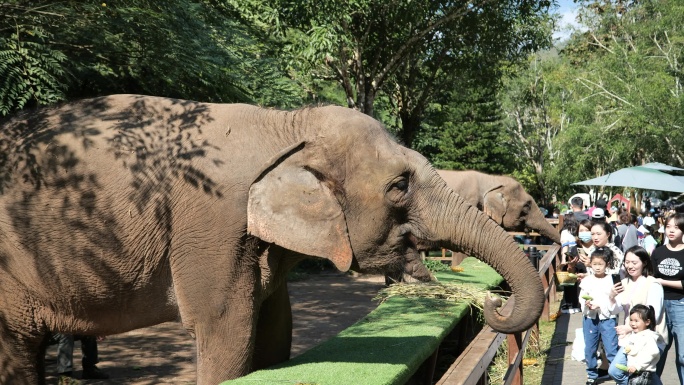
(501, 197)
(126, 211)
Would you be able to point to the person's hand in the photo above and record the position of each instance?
(100, 338)
(616, 289)
(580, 276)
(622, 330)
(584, 259)
(591, 305)
(632, 369)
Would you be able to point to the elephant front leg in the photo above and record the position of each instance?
(274, 330)
(22, 360)
(22, 340)
(225, 343)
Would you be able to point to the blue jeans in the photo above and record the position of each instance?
(620, 376)
(595, 330)
(674, 318)
(65, 351)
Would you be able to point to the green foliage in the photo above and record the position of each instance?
(633, 82)
(611, 99)
(402, 53)
(185, 49)
(465, 56)
(465, 132)
(534, 99)
(30, 70)
(435, 266)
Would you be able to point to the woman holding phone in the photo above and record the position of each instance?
(639, 287)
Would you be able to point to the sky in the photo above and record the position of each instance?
(568, 11)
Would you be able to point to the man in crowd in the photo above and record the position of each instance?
(576, 204)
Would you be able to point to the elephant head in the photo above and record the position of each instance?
(503, 199)
(353, 195)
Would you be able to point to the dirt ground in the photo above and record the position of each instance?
(322, 306)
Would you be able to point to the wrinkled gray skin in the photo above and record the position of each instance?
(502, 198)
(126, 211)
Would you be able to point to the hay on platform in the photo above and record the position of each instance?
(453, 292)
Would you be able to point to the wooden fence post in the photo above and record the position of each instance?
(514, 345)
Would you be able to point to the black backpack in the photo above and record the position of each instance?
(617, 240)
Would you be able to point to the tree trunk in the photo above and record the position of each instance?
(410, 125)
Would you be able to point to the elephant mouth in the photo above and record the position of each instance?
(355, 265)
(410, 241)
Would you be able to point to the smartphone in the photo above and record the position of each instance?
(616, 278)
(572, 251)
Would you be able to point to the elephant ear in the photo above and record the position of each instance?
(288, 205)
(495, 204)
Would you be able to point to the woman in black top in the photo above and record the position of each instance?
(668, 261)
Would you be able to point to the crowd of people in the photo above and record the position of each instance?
(629, 266)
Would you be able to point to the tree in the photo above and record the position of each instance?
(54, 50)
(407, 49)
(469, 56)
(611, 99)
(535, 102)
(634, 78)
(463, 129)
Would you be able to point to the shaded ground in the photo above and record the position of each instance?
(323, 305)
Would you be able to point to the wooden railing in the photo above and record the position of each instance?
(470, 368)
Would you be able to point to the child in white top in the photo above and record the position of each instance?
(599, 313)
(641, 346)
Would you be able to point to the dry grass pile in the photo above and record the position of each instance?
(451, 291)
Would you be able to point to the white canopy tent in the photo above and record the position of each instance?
(646, 177)
(661, 167)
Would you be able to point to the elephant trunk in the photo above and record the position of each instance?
(535, 220)
(461, 225)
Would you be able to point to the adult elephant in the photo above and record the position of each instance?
(502, 198)
(126, 211)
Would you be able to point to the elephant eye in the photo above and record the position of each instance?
(402, 184)
(398, 189)
(526, 209)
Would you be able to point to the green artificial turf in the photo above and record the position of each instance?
(385, 347)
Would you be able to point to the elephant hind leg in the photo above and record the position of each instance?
(274, 330)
